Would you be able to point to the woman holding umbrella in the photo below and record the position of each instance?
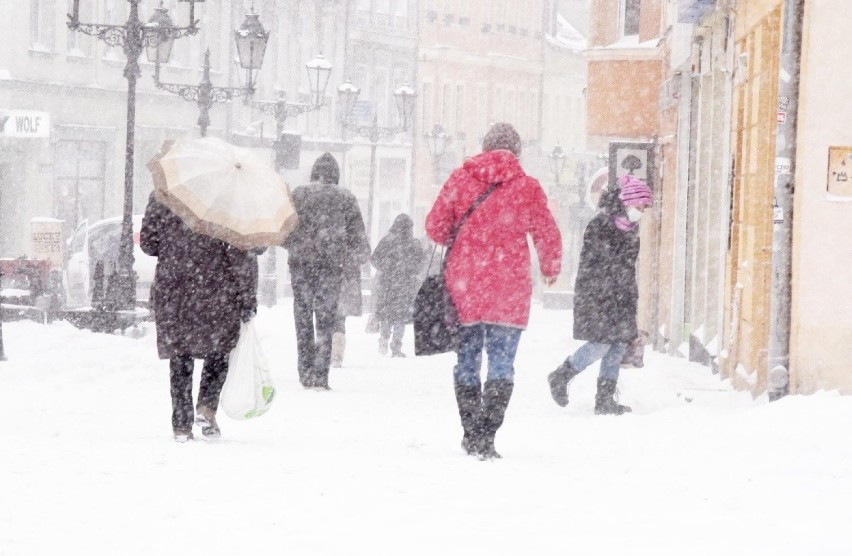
(198, 224)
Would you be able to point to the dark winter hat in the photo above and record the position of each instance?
(502, 136)
(326, 170)
(635, 192)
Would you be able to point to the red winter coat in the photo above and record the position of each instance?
(488, 272)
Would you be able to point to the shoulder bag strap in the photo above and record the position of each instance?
(473, 207)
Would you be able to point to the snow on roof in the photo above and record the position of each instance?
(567, 36)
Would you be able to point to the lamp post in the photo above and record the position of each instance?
(133, 37)
(557, 162)
(348, 94)
(319, 72)
(251, 39)
(436, 141)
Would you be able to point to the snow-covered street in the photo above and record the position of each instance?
(88, 464)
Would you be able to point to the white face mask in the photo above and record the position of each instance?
(634, 214)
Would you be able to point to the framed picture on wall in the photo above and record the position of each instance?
(631, 158)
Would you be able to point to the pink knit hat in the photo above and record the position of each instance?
(634, 192)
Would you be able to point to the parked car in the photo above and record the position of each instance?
(99, 242)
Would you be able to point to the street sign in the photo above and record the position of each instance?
(24, 124)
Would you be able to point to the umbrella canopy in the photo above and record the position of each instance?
(224, 191)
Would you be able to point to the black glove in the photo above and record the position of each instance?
(247, 314)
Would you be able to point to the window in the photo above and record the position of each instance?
(460, 127)
(400, 14)
(362, 13)
(79, 44)
(42, 29)
(481, 110)
(383, 13)
(447, 109)
(629, 17)
(384, 102)
(427, 120)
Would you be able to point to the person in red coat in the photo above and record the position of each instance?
(488, 274)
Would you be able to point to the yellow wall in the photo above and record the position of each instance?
(821, 347)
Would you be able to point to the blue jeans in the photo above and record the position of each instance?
(609, 354)
(501, 344)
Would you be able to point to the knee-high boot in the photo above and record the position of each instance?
(495, 399)
(469, 399)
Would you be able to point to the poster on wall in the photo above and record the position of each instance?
(631, 158)
(840, 171)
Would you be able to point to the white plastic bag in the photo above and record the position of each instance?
(248, 389)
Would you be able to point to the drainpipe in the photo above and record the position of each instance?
(785, 178)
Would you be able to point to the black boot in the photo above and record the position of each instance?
(605, 403)
(469, 399)
(495, 400)
(559, 380)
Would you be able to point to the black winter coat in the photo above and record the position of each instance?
(330, 233)
(201, 286)
(606, 293)
(399, 259)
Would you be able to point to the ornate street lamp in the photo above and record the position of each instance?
(437, 141)
(251, 41)
(405, 99)
(319, 72)
(133, 37)
(557, 157)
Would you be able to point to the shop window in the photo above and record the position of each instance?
(79, 187)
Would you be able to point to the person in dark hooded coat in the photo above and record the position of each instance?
(399, 258)
(330, 235)
(606, 294)
(203, 288)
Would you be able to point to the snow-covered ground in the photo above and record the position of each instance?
(88, 465)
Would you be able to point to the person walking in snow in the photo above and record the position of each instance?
(203, 288)
(330, 235)
(349, 304)
(606, 294)
(488, 274)
(399, 258)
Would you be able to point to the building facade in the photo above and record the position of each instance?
(73, 167)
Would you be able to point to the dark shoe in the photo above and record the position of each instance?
(605, 403)
(182, 435)
(495, 399)
(469, 400)
(559, 380)
(206, 419)
(486, 450)
(468, 444)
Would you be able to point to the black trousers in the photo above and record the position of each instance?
(213, 376)
(316, 290)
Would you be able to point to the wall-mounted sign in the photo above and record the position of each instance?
(840, 171)
(631, 158)
(24, 123)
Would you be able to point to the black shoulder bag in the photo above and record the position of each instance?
(436, 321)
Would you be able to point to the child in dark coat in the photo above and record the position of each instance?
(606, 294)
